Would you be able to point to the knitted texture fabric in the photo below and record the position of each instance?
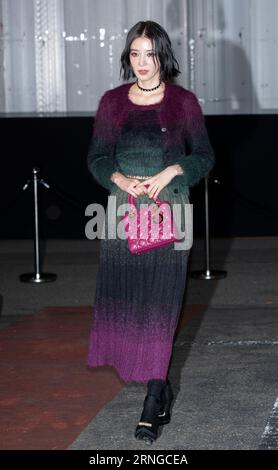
(138, 298)
(137, 304)
(183, 138)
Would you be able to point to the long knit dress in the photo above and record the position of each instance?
(138, 298)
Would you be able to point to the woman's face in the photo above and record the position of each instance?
(142, 57)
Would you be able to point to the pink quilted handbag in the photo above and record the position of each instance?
(154, 226)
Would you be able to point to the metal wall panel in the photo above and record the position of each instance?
(18, 55)
(96, 37)
(265, 54)
(49, 55)
(233, 55)
(59, 56)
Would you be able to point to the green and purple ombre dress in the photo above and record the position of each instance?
(138, 298)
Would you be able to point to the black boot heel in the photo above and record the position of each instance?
(147, 427)
(167, 396)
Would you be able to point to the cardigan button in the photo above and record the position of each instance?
(163, 129)
(176, 190)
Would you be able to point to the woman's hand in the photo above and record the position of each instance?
(130, 185)
(160, 180)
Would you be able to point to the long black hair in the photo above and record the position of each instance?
(169, 67)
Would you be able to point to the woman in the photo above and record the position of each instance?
(138, 147)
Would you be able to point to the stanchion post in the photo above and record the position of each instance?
(207, 274)
(37, 276)
(36, 213)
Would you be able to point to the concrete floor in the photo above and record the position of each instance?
(224, 365)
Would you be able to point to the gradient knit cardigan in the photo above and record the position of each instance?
(184, 136)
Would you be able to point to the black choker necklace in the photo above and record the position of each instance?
(148, 89)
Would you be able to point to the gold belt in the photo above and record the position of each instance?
(138, 177)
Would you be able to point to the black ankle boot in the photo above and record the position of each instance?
(167, 396)
(147, 427)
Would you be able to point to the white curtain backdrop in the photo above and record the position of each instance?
(58, 56)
